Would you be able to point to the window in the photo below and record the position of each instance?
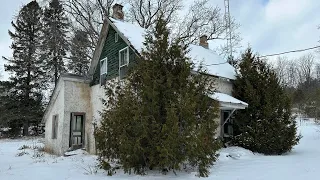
(103, 70)
(116, 37)
(123, 62)
(103, 66)
(227, 126)
(54, 126)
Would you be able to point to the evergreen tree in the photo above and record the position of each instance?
(267, 125)
(232, 61)
(23, 90)
(55, 43)
(161, 116)
(79, 60)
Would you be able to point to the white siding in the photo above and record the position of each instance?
(224, 86)
(57, 108)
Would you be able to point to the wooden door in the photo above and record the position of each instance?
(77, 131)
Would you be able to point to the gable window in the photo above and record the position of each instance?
(54, 126)
(116, 37)
(123, 62)
(103, 70)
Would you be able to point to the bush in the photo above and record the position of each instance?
(267, 125)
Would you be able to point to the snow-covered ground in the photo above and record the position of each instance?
(234, 163)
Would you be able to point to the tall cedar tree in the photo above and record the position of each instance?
(55, 44)
(161, 116)
(267, 125)
(79, 60)
(23, 90)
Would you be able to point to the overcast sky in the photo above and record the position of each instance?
(269, 26)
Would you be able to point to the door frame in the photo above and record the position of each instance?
(223, 123)
(83, 127)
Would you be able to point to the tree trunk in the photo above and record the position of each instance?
(25, 129)
(55, 72)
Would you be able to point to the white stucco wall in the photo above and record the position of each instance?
(77, 100)
(57, 108)
(223, 86)
(97, 94)
(218, 121)
(73, 96)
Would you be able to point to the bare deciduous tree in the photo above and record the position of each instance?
(305, 68)
(187, 22)
(281, 69)
(317, 70)
(146, 12)
(204, 19)
(88, 15)
(200, 18)
(292, 76)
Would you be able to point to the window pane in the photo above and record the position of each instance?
(116, 37)
(103, 66)
(124, 57)
(123, 71)
(79, 122)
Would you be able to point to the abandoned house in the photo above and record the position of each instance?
(75, 104)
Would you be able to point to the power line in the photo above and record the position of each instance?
(293, 51)
(276, 54)
(216, 64)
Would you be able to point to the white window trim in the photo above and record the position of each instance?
(106, 61)
(124, 49)
(116, 38)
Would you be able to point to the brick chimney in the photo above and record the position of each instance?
(204, 41)
(118, 12)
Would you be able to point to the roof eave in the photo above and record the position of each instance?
(99, 47)
(230, 105)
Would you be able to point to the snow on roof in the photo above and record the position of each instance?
(207, 57)
(134, 33)
(136, 36)
(221, 97)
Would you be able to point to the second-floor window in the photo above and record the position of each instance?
(123, 62)
(116, 37)
(103, 70)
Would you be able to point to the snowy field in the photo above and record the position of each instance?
(234, 163)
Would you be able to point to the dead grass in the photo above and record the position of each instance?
(46, 150)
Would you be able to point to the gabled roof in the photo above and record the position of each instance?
(134, 36)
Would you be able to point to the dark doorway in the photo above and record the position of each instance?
(227, 128)
(77, 130)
